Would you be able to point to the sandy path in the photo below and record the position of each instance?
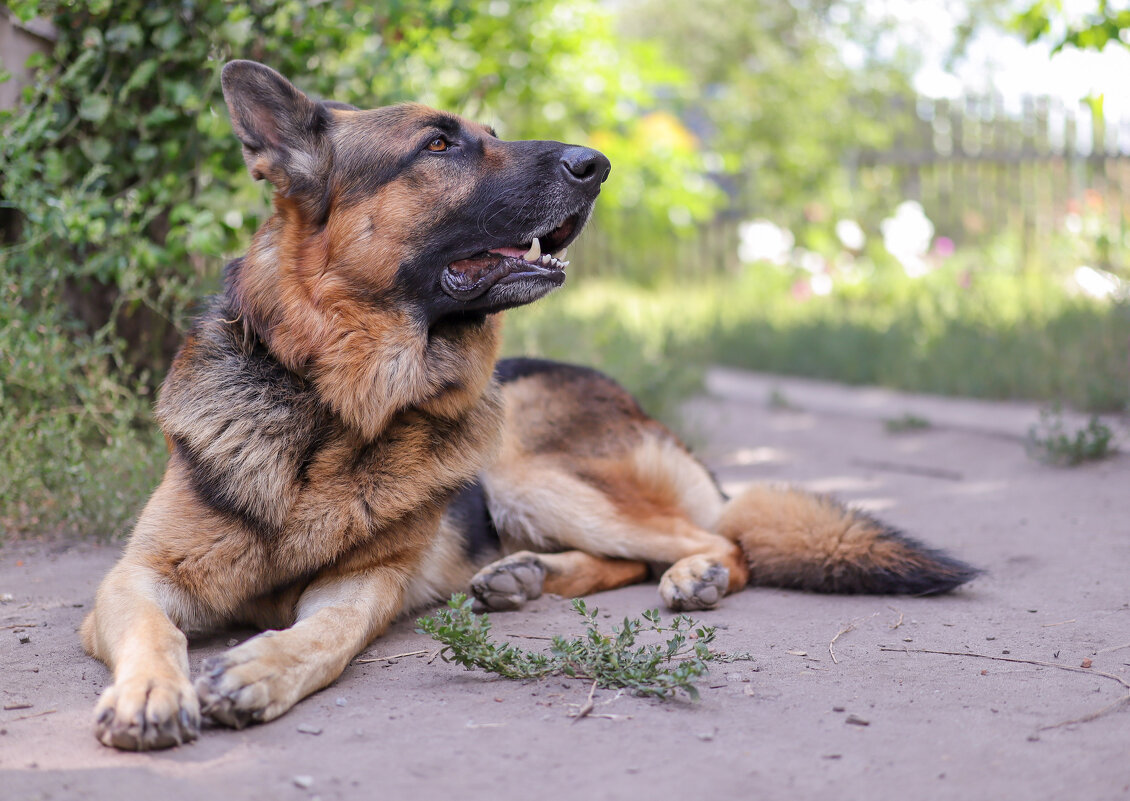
(1056, 544)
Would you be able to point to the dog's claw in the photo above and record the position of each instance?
(222, 709)
(147, 715)
(215, 702)
(249, 684)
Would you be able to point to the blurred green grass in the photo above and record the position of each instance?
(1003, 336)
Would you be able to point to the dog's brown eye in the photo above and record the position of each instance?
(437, 145)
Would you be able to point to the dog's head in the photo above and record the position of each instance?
(412, 203)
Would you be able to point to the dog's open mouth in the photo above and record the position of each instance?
(541, 259)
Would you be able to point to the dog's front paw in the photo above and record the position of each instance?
(696, 582)
(248, 684)
(509, 582)
(143, 714)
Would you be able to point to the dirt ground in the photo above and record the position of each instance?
(794, 723)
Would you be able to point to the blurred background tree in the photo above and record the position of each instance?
(1089, 28)
(784, 196)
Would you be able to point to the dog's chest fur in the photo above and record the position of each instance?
(262, 449)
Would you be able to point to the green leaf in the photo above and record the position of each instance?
(139, 78)
(25, 10)
(123, 38)
(97, 150)
(1095, 103)
(158, 15)
(92, 38)
(237, 32)
(168, 36)
(145, 152)
(94, 108)
(159, 116)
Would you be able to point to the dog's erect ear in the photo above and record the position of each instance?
(282, 130)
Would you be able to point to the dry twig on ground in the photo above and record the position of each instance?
(1084, 719)
(36, 715)
(587, 706)
(831, 651)
(849, 627)
(897, 622)
(389, 658)
(1115, 648)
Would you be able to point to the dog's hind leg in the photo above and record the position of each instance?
(653, 504)
(582, 467)
(338, 615)
(523, 576)
(151, 703)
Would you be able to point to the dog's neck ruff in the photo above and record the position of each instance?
(367, 359)
(253, 436)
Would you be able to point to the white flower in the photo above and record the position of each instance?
(850, 234)
(1099, 283)
(762, 240)
(907, 237)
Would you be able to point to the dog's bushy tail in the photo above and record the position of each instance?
(805, 541)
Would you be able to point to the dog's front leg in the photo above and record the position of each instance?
(337, 616)
(151, 703)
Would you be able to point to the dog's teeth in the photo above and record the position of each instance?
(560, 255)
(534, 253)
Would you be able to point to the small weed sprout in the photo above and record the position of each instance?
(610, 660)
(906, 422)
(1050, 442)
(781, 402)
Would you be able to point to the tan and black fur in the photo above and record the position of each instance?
(343, 447)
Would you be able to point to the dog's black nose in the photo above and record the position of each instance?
(585, 166)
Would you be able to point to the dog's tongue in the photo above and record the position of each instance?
(531, 255)
(514, 253)
(477, 266)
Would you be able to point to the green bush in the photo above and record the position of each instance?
(76, 442)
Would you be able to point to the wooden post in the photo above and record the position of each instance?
(18, 40)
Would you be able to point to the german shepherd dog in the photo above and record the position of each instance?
(344, 447)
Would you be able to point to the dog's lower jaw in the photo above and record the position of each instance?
(521, 290)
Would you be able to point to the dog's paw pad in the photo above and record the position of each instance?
(146, 715)
(508, 583)
(694, 586)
